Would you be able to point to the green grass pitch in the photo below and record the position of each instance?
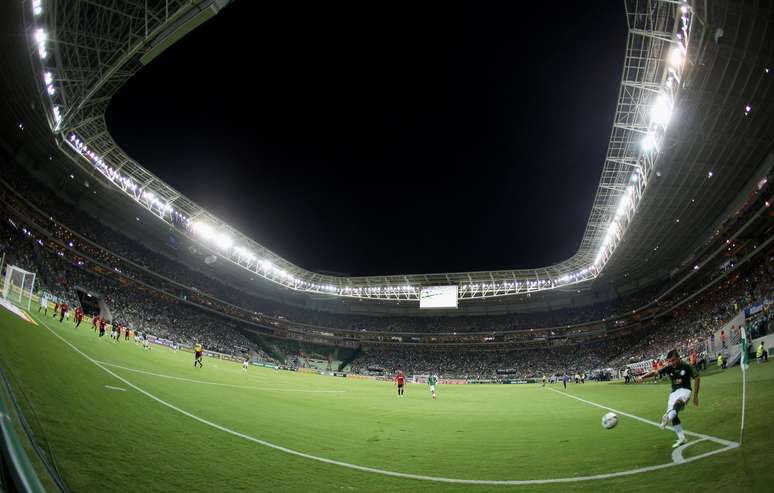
(174, 427)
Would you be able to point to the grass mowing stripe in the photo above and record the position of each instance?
(204, 382)
(370, 469)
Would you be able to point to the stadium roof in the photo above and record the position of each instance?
(716, 81)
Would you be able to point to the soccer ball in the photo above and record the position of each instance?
(609, 420)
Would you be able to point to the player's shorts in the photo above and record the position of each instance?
(198, 354)
(679, 397)
(400, 385)
(432, 388)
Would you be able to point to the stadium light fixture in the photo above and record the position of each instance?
(37, 7)
(245, 253)
(224, 241)
(149, 196)
(661, 111)
(626, 199)
(57, 116)
(649, 143)
(676, 56)
(40, 40)
(204, 230)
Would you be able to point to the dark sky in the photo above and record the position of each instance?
(387, 139)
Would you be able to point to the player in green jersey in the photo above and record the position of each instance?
(432, 381)
(680, 373)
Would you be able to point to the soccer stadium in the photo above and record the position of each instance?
(213, 212)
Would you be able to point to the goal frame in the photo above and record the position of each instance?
(8, 284)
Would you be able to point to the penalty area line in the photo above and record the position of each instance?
(356, 467)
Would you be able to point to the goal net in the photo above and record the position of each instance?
(18, 285)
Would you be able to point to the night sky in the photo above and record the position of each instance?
(387, 139)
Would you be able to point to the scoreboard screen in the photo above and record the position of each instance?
(438, 297)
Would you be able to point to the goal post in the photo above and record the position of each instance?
(18, 285)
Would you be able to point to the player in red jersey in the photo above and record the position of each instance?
(94, 322)
(78, 316)
(63, 310)
(56, 309)
(102, 324)
(400, 381)
(117, 331)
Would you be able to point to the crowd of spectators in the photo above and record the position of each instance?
(90, 237)
(484, 365)
(142, 309)
(690, 327)
(148, 292)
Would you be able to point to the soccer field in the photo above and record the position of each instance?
(118, 418)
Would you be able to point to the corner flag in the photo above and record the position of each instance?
(744, 361)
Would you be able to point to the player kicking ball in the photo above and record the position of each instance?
(681, 374)
(432, 381)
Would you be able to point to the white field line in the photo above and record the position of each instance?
(721, 441)
(744, 399)
(205, 382)
(677, 454)
(356, 467)
(114, 388)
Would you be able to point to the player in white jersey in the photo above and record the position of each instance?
(245, 364)
(43, 304)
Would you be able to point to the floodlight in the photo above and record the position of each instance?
(224, 241)
(204, 230)
(623, 205)
(245, 253)
(649, 142)
(599, 257)
(661, 111)
(40, 39)
(676, 56)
